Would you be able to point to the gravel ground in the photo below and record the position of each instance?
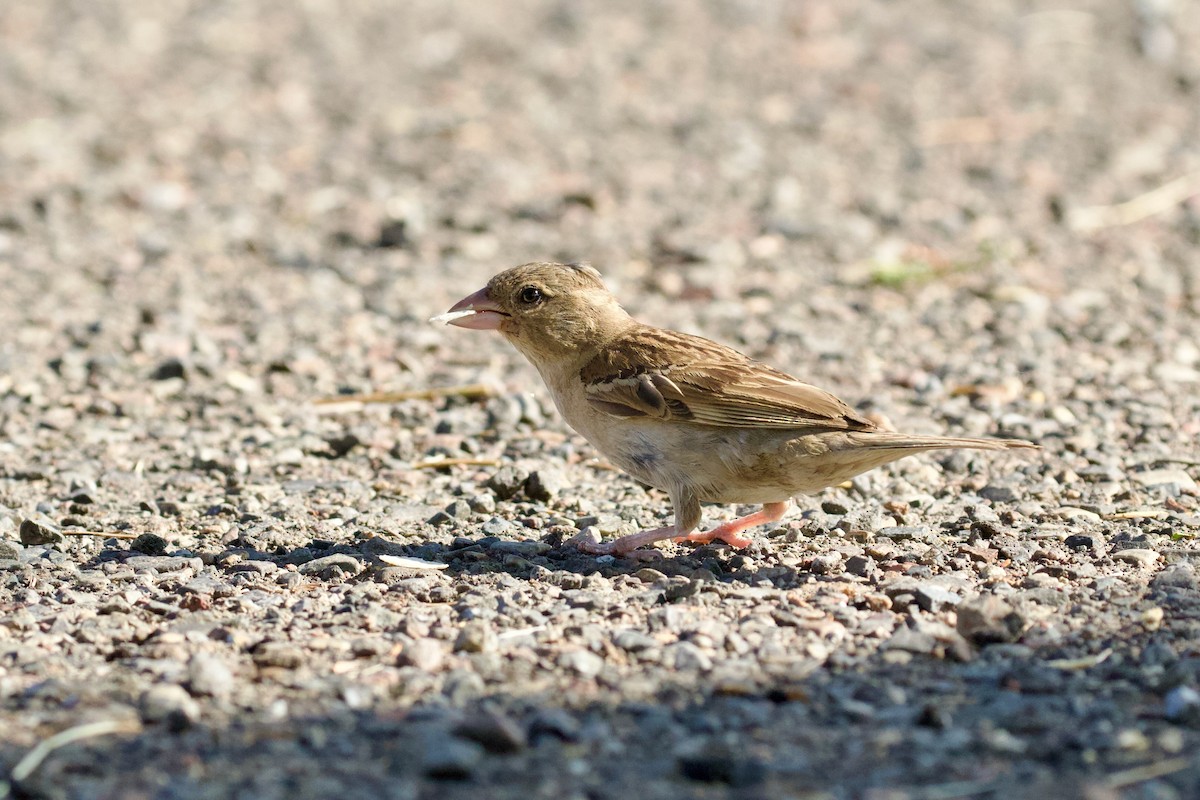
(213, 215)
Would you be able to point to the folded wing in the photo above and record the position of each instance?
(677, 377)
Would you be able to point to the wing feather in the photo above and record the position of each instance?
(677, 377)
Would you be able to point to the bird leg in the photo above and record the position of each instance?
(728, 531)
(589, 543)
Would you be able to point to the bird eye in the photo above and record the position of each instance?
(531, 295)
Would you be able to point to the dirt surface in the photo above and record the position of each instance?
(214, 214)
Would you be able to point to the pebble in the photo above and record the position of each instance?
(161, 564)
(476, 636)
(1176, 576)
(483, 503)
(1077, 514)
(1182, 704)
(284, 655)
(545, 484)
(933, 598)
(149, 544)
(507, 481)
(497, 733)
(717, 762)
(1138, 556)
(170, 704)
(583, 663)
(1089, 542)
(861, 565)
(1174, 481)
(988, 619)
(687, 656)
(35, 532)
(826, 564)
(333, 567)
(427, 655)
(999, 494)
(649, 575)
(450, 758)
(633, 641)
(901, 533)
(209, 676)
(528, 549)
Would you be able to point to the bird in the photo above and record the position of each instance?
(678, 412)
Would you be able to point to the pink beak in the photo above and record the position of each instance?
(487, 316)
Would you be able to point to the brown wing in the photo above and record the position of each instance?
(678, 377)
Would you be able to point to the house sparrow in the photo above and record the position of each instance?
(694, 418)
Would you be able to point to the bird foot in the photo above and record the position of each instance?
(729, 532)
(589, 542)
(730, 537)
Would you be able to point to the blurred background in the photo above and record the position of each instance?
(954, 205)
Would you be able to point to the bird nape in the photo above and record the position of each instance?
(681, 413)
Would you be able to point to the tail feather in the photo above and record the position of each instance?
(886, 440)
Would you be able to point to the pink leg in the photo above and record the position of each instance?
(625, 545)
(728, 531)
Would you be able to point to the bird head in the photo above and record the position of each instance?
(546, 310)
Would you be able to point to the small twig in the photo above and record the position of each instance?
(1153, 202)
(101, 534)
(409, 562)
(471, 391)
(520, 632)
(1076, 664)
(34, 758)
(1128, 777)
(438, 463)
(980, 129)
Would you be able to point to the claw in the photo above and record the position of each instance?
(588, 541)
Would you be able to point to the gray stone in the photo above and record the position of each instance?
(861, 565)
(34, 532)
(826, 564)
(1182, 704)
(911, 641)
(160, 564)
(331, 567)
(687, 656)
(988, 620)
(634, 641)
(283, 655)
(448, 757)
(476, 636)
(529, 549)
(149, 544)
(507, 481)
(497, 733)
(483, 503)
(933, 598)
(1089, 542)
(998, 494)
(1139, 556)
(1174, 481)
(834, 507)
(210, 676)
(169, 704)
(584, 663)
(1176, 576)
(900, 533)
(427, 655)
(545, 484)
